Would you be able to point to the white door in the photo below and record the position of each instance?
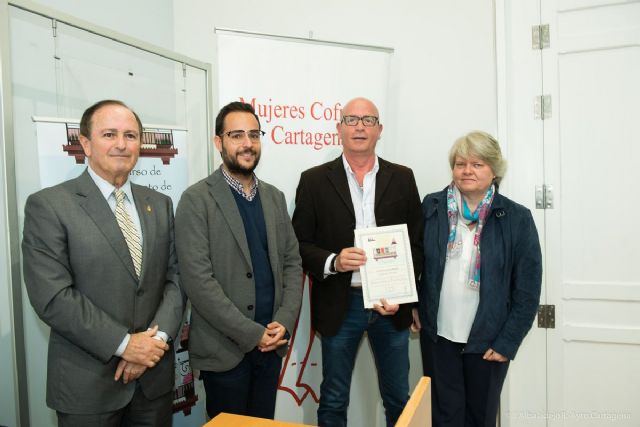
(524, 395)
(592, 236)
(585, 371)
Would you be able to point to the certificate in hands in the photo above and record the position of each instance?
(388, 272)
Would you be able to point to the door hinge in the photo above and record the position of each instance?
(544, 196)
(540, 37)
(547, 316)
(542, 107)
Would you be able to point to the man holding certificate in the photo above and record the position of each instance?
(360, 191)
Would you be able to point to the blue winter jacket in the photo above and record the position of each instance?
(510, 274)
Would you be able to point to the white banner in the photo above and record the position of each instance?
(298, 90)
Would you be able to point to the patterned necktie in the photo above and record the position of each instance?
(129, 230)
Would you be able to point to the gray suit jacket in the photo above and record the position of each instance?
(81, 282)
(216, 271)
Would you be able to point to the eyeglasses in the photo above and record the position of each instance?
(368, 121)
(237, 136)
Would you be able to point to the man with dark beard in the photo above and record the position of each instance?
(242, 272)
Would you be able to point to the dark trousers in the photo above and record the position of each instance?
(248, 389)
(465, 389)
(140, 412)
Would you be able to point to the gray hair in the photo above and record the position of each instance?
(482, 146)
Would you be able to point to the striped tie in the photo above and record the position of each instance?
(129, 230)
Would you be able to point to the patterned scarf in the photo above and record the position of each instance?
(454, 245)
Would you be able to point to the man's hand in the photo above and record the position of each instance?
(416, 325)
(386, 309)
(493, 356)
(350, 259)
(143, 349)
(273, 337)
(129, 371)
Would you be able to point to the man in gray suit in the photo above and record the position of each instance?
(100, 269)
(240, 267)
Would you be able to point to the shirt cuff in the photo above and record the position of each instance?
(161, 336)
(123, 345)
(327, 265)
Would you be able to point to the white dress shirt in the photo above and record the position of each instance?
(363, 199)
(107, 190)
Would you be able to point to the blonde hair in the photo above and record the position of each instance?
(482, 146)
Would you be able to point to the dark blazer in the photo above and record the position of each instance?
(217, 274)
(510, 274)
(324, 221)
(81, 282)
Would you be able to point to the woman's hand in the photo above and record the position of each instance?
(493, 356)
(415, 326)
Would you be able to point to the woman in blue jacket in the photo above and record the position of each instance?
(480, 284)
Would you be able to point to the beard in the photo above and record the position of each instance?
(232, 164)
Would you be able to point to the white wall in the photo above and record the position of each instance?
(8, 391)
(443, 76)
(147, 20)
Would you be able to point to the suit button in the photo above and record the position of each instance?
(249, 275)
(140, 292)
(250, 307)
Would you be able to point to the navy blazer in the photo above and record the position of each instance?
(510, 274)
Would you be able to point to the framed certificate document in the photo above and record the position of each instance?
(388, 272)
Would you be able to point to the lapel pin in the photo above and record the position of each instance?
(149, 208)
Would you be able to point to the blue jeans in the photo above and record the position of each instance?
(391, 353)
(248, 389)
